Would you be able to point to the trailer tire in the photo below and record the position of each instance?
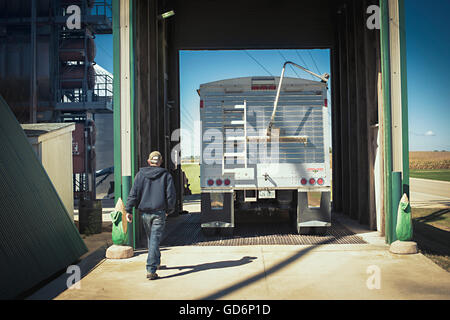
(306, 231)
(228, 232)
(321, 231)
(209, 232)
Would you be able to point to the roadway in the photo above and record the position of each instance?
(429, 193)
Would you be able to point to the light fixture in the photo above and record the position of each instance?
(167, 14)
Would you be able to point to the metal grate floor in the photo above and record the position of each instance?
(188, 232)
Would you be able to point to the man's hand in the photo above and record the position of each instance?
(129, 217)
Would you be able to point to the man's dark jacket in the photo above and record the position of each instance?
(153, 189)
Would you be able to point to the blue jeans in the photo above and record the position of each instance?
(154, 226)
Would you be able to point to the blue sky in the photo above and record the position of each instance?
(428, 64)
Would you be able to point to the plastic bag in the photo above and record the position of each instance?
(119, 224)
(404, 228)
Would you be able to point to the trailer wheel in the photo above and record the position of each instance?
(228, 232)
(209, 232)
(321, 231)
(305, 231)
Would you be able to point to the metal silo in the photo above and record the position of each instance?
(60, 85)
(65, 58)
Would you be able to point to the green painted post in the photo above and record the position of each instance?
(132, 119)
(404, 92)
(126, 185)
(396, 197)
(387, 134)
(116, 100)
(122, 184)
(127, 180)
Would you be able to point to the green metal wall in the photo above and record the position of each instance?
(37, 237)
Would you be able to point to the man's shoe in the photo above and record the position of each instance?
(152, 276)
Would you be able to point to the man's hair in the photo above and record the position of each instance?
(155, 157)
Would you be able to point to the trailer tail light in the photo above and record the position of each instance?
(320, 181)
(210, 182)
(325, 102)
(312, 181)
(304, 181)
(227, 182)
(201, 104)
(219, 182)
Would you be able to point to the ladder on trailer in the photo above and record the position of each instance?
(239, 173)
(235, 124)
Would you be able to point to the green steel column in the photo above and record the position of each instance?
(126, 186)
(116, 100)
(126, 107)
(132, 119)
(387, 134)
(404, 92)
(123, 175)
(396, 197)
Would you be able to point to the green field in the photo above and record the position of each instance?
(192, 172)
(436, 174)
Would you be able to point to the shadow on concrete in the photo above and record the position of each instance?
(431, 239)
(139, 251)
(226, 291)
(434, 216)
(207, 266)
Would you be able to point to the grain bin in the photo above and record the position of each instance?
(74, 50)
(72, 76)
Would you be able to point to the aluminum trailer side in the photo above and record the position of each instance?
(242, 168)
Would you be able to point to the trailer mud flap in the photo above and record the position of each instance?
(217, 212)
(313, 220)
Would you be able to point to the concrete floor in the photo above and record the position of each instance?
(267, 272)
(270, 272)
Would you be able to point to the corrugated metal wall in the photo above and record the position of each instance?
(37, 237)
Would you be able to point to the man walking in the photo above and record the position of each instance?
(153, 193)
